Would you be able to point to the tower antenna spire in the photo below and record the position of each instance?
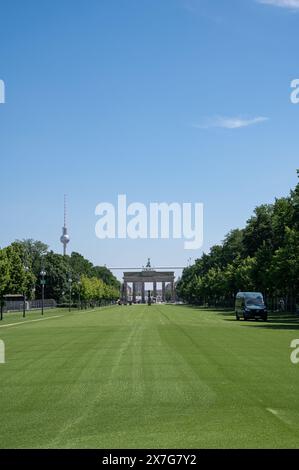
(64, 211)
(64, 237)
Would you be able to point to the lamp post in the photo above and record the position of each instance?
(26, 269)
(70, 292)
(43, 282)
(149, 299)
(79, 294)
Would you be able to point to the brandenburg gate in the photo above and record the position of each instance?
(148, 275)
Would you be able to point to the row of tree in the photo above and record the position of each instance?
(24, 264)
(264, 257)
(94, 291)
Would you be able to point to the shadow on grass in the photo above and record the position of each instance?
(225, 312)
(276, 321)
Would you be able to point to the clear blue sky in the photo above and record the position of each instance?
(173, 100)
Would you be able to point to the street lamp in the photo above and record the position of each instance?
(149, 299)
(43, 282)
(70, 292)
(24, 293)
(79, 294)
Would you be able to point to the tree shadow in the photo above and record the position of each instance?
(280, 326)
(276, 321)
(218, 310)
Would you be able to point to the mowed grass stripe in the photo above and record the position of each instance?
(29, 321)
(139, 376)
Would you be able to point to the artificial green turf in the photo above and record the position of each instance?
(139, 376)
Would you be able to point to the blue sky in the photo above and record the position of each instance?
(173, 100)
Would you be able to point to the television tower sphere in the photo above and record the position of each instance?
(64, 237)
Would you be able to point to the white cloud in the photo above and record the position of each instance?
(230, 122)
(291, 4)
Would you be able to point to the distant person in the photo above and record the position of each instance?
(281, 305)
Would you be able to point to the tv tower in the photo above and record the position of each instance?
(64, 237)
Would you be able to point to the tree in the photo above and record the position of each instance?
(94, 291)
(285, 267)
(233, 246)
(21, 264)
(57, 275)
(34, 252)
(103, 273)
(79, 265)
(244, 275)
(258, 229)
(4, 278)
(263, 257)
(21, 277)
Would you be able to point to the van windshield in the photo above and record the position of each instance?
(257, 302)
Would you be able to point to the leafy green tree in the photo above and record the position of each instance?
(285, 267)
(295, 205)
(258, 229)
(244, 275)
(103, 273)
(57, 275)
(94, 291)
(4, 278)
(34, 252)
(261, 257)
(283, 215)
(21, 278)
(80, 266)
(233, 246)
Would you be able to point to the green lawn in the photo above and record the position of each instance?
(139, 376)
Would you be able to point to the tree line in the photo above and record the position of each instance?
(264, 257)
(24, 264)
